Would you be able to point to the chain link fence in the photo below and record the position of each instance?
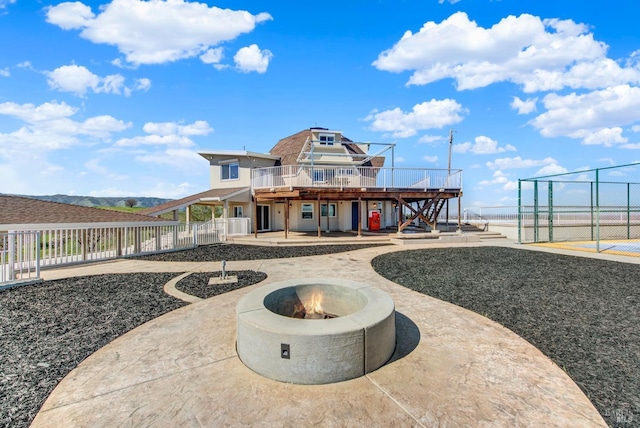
(594, 210)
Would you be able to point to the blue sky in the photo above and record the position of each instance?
(116, 98)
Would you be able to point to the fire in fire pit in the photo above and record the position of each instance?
(312, 309)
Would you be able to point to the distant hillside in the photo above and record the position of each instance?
(91, 201)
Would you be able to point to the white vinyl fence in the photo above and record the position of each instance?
(23, 253)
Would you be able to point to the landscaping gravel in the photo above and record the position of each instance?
(234, 252)
(197, 284)
(582, 313)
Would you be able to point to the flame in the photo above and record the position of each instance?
(315, 305)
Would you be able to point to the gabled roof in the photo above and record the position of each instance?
(289, 148)
(18, 211)
(211, 195)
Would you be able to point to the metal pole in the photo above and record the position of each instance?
(591, 211)
(519, 211)
(550, 211)
(535, 211)
(628, 210)
(597, 211)
(449, 174)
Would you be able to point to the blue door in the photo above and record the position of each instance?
(354, 215)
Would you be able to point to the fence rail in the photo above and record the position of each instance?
(23, 253)
(292, 176)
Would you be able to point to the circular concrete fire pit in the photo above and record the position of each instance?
(315, 331)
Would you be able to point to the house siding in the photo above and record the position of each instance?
(245, 165)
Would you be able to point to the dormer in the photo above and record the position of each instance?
(326, 137)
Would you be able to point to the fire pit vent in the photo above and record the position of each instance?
(315, 331)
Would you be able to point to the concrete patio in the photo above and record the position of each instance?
(451, 367)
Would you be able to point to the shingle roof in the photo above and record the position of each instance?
(190, 200)
(18, 210)
(290, 147)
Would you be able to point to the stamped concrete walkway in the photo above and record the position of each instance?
(451, 368)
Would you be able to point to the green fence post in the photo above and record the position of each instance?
(591, 211)
(535, 211)
(519, 211)
(628, 210)
(597, 211)
(550, 211)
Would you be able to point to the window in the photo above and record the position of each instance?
(327, 139)
(237, 211)
(229, 171)
(323, 175)
(323, 210)
(307, 211)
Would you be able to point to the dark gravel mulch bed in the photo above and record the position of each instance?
(582, 313)
(231, 252)
(197, 284)
(47, 329)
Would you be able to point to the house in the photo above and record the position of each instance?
(320, 180)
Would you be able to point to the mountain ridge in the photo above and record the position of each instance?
(102, 201)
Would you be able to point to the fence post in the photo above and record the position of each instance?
(195, 235)
(519, 211)
(38, 254)
(550, 210)
(628, 210)
(12, 256)
(591, 211)
(535, 211)
(597, 211)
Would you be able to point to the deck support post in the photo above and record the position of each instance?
(255, 218)
(318, 211)
(286, 218)
(359, 217)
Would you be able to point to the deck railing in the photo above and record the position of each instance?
(294, 176)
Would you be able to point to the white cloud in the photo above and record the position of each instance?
(519, 163)
(168, 134)
(400, 159)
(5, 3)
(551, 169)
(199, 127)
(501, 179)
(608, 161)
(178, 158)
(155, 32)
(155, 140)
(429, 139)
(78, 80)
(251, 58)
(431, 159)
(212, 56)
(539, 55)
(594, 117)
(635, 128)
(524, 107)
(142, 84)
(49, 127)
(4, 72)
(428, 115)
(482, 146)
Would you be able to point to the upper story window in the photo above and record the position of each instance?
(229, 171)
(327, 139)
